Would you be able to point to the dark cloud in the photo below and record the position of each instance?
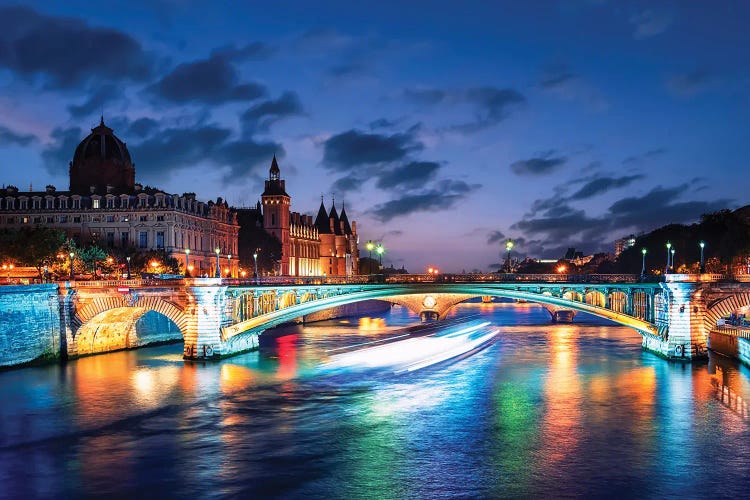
(650, 23)
(253, 50)
(95, 102)
(354, 148)
(383, 123)
(412, 175)
(494, 237)
(244, 156)
(349, 183)
(212, 81)
(563, 83)
(692, 83)
(601, 185)
(142, 127)
(640, 158)
(10, 138)
(445, 194)
(347, 70)
(540, 165)
(261, 116)
(491, 105)
(67, 52)
(59, 153)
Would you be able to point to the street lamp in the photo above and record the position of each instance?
(187, 262)
(643, 265)
(127, 259)
(673, 266)
(379, 250)
(370, 245)
(217, 250)
(703, 263)
(229, 265)
(669, 245)
(71, 255)
(508, 248)
(255, 265)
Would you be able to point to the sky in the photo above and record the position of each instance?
(445, 128)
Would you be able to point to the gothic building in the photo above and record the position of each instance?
(104, 205)
(326, 246)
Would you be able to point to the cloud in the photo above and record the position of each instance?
(491, 104)
(253, 50)
(640, 158)
(650, 23)
(347, 70)
(10, 138)
(211, 81)
(411, 175)
(68, 52)
(445, 194)
(59, 152)
(561, 82)
(692, 83)
(261, 116)
(383, 123)
(540, 165)
(494, 237)
(142, 127)
(353, 148)
(94, 103)
(601, 185)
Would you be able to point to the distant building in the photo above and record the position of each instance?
(326, 246)
(104, 205)
(623, 244)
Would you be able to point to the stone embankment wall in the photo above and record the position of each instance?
(30, 328)
(348, 310)
(730, 345)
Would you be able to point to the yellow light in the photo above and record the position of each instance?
(429, 270)
(109, 259)
(561, 269)
(244, 273)
(154, 264)
(190, 268)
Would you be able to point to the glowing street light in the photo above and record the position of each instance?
(187, 262)
(71, 255)
(508, 248)
(669, 245)
(673, 266)
(643, 265)
(561, 268)
(380, 250)
(217, 251)
(703, 263)
(127, 259)
(255, 265)
(370, 245)
(229, 265)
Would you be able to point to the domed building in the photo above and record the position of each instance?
(101, 160)
(107, 207)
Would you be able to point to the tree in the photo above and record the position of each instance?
(35, 246)
(91, 255)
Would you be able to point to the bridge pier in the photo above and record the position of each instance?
(679, 316)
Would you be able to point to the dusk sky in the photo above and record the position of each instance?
(445, 127)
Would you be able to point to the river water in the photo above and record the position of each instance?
(547, 410)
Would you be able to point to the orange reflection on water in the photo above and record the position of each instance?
(367, 324)
(561, 426)
(234, 378)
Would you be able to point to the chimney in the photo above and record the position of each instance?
(110, 188)
(138, 186)
(50, 189)
(92, 189)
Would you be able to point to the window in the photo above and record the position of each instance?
(143, 218)
(77, 204)
(124, 218)
(50, 220)
(124, 239)
(110, 240)
(110, 203)
(64, 219)
(160, 239)
(273, 219)
(110, 218)
(24, 220)
(37, 220)
(77, 219)
(143, 239)
(95, 203)
(160, 218)
(36, 204)
(50, 203)
(64, 203)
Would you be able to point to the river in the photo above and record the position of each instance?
(547, 410)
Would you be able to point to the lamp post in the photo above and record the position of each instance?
(127, 259)
(643, 263)
(379, 250)
(703, 263)
(229, 265)
(673, 266)
(669, 245)
(217, 250)
(508, 248)
(255, 265)
(370, 245)
(71, 255)
(187, 262)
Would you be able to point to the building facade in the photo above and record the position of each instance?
(105, 206)
(326, 246)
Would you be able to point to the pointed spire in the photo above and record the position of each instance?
(345, 220)
(101, 120)
(321, 220)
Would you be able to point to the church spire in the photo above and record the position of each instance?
(274, 172)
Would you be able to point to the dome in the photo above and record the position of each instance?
(101, 160)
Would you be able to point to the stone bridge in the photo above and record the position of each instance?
(219, 317)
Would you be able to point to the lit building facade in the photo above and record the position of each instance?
(104, 205)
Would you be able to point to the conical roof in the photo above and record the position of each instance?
(321, 220)
(345, 220)
(333, 214)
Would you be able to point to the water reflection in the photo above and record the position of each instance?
(548, 410)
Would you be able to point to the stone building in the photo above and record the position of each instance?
(104, 205)
(326, 246)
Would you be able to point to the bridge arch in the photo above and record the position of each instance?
(273, 318)
(109, 323)
(724, 307)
